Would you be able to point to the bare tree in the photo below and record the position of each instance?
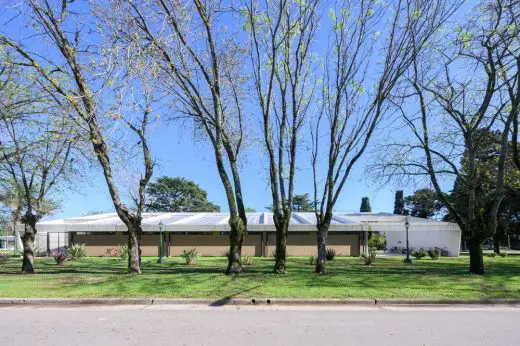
(456, 111)
(371, 44)
(201, 65)
(70, 76)
(281, 34)
(39, 145)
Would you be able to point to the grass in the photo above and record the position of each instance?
(387, 278)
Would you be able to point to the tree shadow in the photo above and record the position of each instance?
(225, 300)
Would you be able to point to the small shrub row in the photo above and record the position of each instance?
(434, 253)
(402, 250)
(501, 254)
(73, 253)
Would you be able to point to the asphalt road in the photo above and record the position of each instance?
(229, 325)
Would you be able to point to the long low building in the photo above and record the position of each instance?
(209, 233)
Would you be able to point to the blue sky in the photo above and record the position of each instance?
(178, 155)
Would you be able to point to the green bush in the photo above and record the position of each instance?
(76, 252)
(491, 254)
(330, 254)
(189, 256)
(368, 258)
(419, 254)
(377, 242)
(434, 253)
(503, 253)
(313, 260)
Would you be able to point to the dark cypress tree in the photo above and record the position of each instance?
(365, 205)
(399, 203)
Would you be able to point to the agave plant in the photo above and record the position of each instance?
(367, 258)
(189, 256)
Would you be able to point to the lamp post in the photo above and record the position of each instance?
(161, 244)
(407, 226)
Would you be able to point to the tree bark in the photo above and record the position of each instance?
(322, 232)
(28, 243)
(496, 242)
(236, 238)
(476, 258)
(134, 258)
(282, 227)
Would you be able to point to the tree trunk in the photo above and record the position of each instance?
(236, 238)
(322, 231)
(133, 249)
(139, 240)
(476, 258)
(280, 266)
(28, 244)
(28, 253)
(496, 242)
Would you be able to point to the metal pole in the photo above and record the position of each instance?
(407, 226)
(161, 244)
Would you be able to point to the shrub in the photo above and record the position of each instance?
(112, 252)
(377, 242)
(122, 251)
(368, 258)
(503, 253)
(419, 254)
(394, 249)
(189, 256)
(434, 253)
(491, 254)
(313, 260)
(444, 252)
(76, 251)
(330, 254)
(59, 256)
(247, 260)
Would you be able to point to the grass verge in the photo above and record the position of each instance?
(389, 277)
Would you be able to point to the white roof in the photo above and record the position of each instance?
(257, 222)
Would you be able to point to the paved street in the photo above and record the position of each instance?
(201, 325)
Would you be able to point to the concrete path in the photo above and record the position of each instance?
(266, 325)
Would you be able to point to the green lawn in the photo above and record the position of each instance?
(387, 278)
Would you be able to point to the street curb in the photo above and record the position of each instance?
(447, 301)
(250, 302)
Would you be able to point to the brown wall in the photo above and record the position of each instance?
(98, 244)
(217, 244)
(305, 244)
(213, 245)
